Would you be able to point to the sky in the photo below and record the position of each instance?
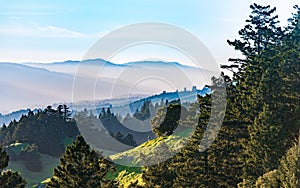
(58, 30)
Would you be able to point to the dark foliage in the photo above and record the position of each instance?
(46, 129)
(81, 166)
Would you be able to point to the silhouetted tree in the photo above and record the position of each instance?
(165, 123)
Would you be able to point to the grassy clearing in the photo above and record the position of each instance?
(32, 178)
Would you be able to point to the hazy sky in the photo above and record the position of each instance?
(58, 30)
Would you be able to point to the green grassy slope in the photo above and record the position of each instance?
(126, 174)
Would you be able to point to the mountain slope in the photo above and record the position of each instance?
(23, 86)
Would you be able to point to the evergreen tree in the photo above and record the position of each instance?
(81, 167)
(266, 91)
(3, 159)
(165, 123)
(192, 165)
(159, 175)
(144, 113)
(226, 150)
(289, 168)
(11, 179)
(288, 173)
(157, 165)
(279, 89)
(264, 147)
(260, 34)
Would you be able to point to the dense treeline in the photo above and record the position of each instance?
(46, 129)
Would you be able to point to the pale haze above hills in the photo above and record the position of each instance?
(36, 85)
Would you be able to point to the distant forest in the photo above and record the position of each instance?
(258, 144)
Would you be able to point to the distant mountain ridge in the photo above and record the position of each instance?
(102, 61)
(71, 66)
(36, 85)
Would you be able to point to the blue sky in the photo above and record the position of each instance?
(58, 30)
